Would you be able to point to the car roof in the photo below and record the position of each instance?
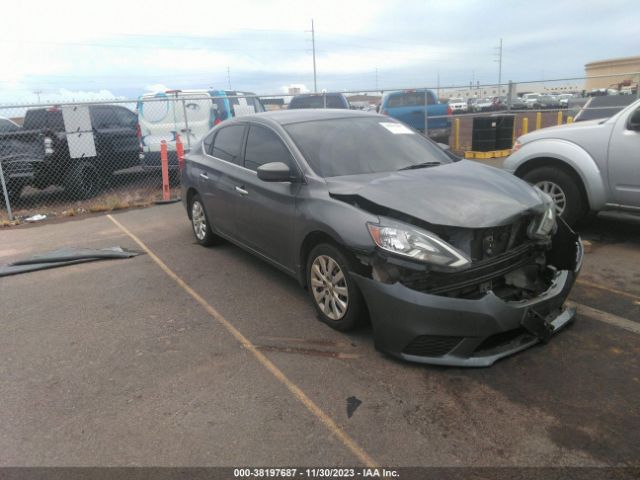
(286, 117)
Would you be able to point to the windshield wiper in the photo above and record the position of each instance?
(420, 165)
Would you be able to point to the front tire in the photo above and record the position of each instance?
(334, 293)
(563, 189)
(200, 223)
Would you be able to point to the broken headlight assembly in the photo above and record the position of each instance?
(543, 226)
(418, 245)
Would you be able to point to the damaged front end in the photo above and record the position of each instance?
(469, 296)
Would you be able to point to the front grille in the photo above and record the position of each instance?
(431, 345)
(479, 272)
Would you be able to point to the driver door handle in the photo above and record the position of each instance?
(204, 176)
(241, 190)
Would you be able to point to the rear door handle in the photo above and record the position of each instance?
(204, 176)
(241, 190)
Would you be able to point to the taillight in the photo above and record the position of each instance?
(48, 146)
(384, 112)
(449, 111)
(217, 121)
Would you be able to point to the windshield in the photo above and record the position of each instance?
(352, 146)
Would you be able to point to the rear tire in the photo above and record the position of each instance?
(334, 294)
(200, 223)
(82, 181)
(563, 188)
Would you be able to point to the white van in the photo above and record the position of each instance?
(188, 113)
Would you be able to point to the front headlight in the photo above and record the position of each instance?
(417, 245)
(543, 227)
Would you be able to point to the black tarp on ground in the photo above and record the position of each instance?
(63, 257)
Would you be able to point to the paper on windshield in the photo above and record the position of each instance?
(397, 128)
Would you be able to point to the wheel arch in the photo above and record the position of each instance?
(191, 192)
(568, 156)
(539, 162)
(312, 239)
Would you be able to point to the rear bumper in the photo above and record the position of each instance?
(426, 328)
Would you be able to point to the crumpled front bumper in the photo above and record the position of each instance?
(441, 330)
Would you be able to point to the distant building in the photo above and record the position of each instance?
(627, 65)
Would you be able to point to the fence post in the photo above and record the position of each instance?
(538, 120)
(559, 118)
(6, 194)
(426, 114)
(164, 159)
(525, 126)
(456, 133)
(569, 119)
(186, 124)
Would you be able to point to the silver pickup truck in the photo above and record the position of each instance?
(585, 167)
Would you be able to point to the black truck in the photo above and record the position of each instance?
(46, 151)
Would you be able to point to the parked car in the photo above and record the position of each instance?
(456, 263)
(517, 103)
(162, 117)
(21, 153)
(485, 105)
(563, 99)
(586, 166)
(530, 99)
(81, 157)
(546, 101)
(458, 105)
(7, 125)
(319, 100)
(409, 107)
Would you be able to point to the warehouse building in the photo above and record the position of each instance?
(618, 73)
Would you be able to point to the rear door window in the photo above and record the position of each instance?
(264, 146)
(227, 144)
(103, 117)
(44, 118)
(125, 117)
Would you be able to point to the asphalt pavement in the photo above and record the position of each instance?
(118, 363)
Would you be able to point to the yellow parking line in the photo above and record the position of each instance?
(606, 317)
(587, 283)
(297, 392)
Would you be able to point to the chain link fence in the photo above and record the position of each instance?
(73, 158)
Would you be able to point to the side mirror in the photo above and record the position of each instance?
(274, 172)
(634, 121)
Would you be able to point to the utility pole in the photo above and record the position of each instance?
(38, 92)
(499, 60)
(229, 78)
(376, 79)
(313, 46)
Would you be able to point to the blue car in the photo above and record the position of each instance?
(413, 106)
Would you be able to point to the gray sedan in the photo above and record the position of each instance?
(452, 262)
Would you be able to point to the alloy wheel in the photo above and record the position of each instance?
(199, 220)
(556, 193)
(329, 287)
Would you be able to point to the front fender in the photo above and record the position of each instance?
(571, 155)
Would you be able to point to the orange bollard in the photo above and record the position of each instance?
(164, 159)
(180, 152)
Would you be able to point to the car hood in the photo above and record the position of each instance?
(461, 194)
(561, 131)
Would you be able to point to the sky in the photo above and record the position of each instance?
(75, 50)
